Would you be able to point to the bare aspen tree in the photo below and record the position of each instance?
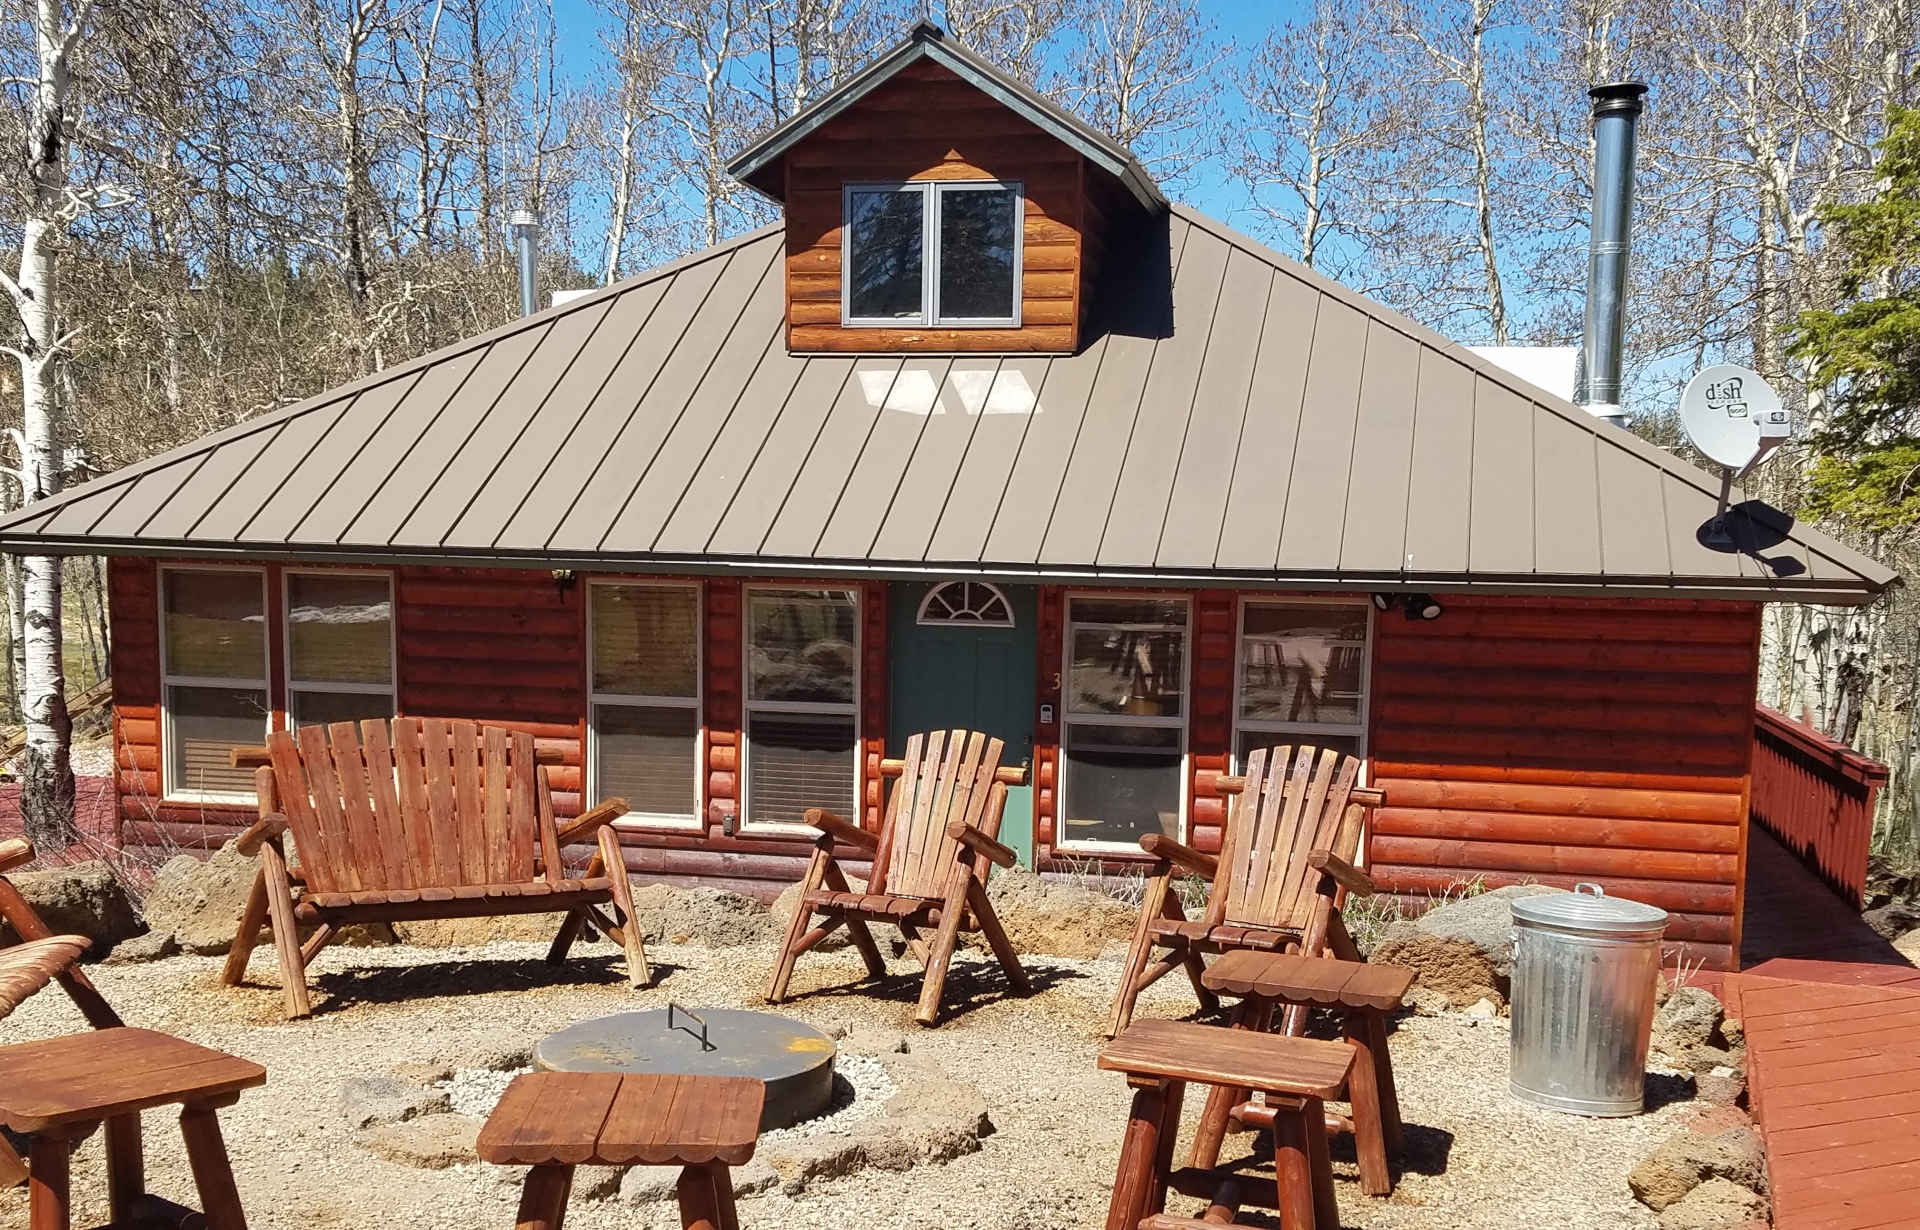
(1015, 34)
(38, 347)
(1141, 70)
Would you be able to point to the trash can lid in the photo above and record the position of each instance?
(1589, 908)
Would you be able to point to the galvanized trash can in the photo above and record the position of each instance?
(1584, 969)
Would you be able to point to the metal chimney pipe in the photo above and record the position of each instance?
(1616, 119)
(526, 238)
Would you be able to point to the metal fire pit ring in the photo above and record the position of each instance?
(795, 1061)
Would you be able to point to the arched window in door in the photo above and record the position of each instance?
(966, 602)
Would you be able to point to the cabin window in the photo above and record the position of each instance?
(339, 647)
(1126, 715)
(932, 253)
(802, 747)
(645, 734)
(966, 602)
(1303, 676)
(213, 648)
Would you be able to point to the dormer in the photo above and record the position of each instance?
(934, 203)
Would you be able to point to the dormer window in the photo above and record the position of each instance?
(941, 253)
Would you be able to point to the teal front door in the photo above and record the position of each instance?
(960, 655)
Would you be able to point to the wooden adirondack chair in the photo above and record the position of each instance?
(442, 820)
(40, 957)
(1292, 835)
(930, 864)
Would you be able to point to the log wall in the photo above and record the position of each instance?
(928, 124)
(1554, 741)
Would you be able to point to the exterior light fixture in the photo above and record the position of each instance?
(1383, 602)
(1422, 606)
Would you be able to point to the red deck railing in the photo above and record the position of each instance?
(1816, 795)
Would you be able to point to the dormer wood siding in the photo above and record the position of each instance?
(928, 124)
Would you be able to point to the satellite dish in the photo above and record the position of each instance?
(1733, 416)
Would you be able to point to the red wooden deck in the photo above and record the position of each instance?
(1832, 1017)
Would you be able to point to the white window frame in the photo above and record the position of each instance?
(1268, 726)
(1069, 718)
(170, 790)
(931, 191)
(697, 702)
(924, 618)
(390, 689)
(750, 706)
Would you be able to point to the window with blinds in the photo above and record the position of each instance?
(339, 647)
(213, 679)
(801, 716)
(645, 700)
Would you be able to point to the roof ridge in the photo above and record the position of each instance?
(281, 415)
(1809, 536)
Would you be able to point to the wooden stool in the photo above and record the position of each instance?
(63, 1088)
(1159, 1057)
(554, 1121)
(1363, 995)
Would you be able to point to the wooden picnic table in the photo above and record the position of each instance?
(1296, 1074)
(1362, 994)
(61, 1089)
(554, 1121)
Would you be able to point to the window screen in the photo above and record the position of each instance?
(646, 688)
(339, 647)
(214, 678)
(1124, 757)
(802, 673)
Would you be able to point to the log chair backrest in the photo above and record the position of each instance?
(1294, 802)
(948, 775)
(436, 804)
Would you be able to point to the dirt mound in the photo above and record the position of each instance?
(1052, 918)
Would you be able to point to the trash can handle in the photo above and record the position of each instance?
(1583, 885)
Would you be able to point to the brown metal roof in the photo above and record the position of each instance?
(1278, 431)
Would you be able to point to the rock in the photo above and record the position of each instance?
(1713, 1120)
(598, 1182)
(1447, 965)
(1688, 1019)
(1054, 918)
(478, 932)
(368, 1101)
(643, 1185)
(423, 1074)
(782, 914)
(1687, 1159)
(930, 1118)
(153, 946)
(1484, 920)
(872, 1040)
(1483, 1010)
(706, 916)
(1706, 1057)
(1893, 920)
(433, 1143)
(1720, 1086)
(1734, 1032)
(494, 1058)
(1714, 1205)
(1425, 1001)
(1908, 946)
(83, 899)
(199, 900)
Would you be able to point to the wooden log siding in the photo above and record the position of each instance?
(928, 124)
(873, 705)
(1210, 726)
(723, 650)
(1050, 653)
(1817, 796)
(1554, 741)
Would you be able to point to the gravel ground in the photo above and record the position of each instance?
(1476, 1157)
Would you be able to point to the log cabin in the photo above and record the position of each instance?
(985, 433)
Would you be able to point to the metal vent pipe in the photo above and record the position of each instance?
(526, 239)
(1616, 119)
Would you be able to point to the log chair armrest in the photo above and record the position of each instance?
(266, 828)
(1162, 846)
(583, 825)
(1345, 874)
(250, 757)
(15, 852)
(840, 829)
(978, 842)
(1367, 796)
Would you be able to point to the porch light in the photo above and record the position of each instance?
(1383, 602)
(1422, 606)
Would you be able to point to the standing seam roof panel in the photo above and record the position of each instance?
(1262, 468)
(1203, 474)
(662, 482)
(371, 437)
(1566, 499)
(824, 477)
(927, 477)
(178, 517)
(476, 458)
(549, 499)
(1633, 526)
(1311, 528)
(494, 503)
(980, 486)
(1688, 514)
(1439, 495)
(1375, 534)
(1046, 448)
(1138, 515)
(686, 371)
(873, 485)
(147, 497)
(252, 508)
(1500, 534)
(768, 475)
(423, 461)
